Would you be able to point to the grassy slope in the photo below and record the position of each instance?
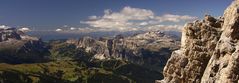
(77, 72)
(72, 65)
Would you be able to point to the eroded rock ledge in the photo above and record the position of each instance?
(209, 51)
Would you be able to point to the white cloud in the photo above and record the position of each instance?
(65, 26)
(129, 19)
(72, 28)
(163, 27)
(58, 30)
(119, 21)
(93, 17)
(25, 29)
(86, 29)
(4, 27)
(175, 18)
(107, 11)
(143, 23)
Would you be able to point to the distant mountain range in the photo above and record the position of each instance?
(53, 35)
(126, 58)
(17, 47)
(150, 48)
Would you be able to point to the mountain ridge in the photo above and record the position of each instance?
(18, 47)
(132, 48)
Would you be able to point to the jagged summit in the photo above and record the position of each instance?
(150, 47)
(151, 34)
(8, 33)
(209, 51)
(18, 47)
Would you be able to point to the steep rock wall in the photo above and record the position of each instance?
(209, 51)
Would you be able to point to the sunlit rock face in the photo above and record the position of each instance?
(198, 42)
(224, 65)
(209, 51)
(18, 47)
(153, 47)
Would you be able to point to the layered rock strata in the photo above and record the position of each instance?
(209, 51)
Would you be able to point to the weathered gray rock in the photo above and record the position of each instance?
(223, 67)
(198, 42)
(151, 47)
(17, 47)
(209, 51)
(10, 33)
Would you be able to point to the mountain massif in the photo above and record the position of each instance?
(17, 47)
(136, 58)
(209, 51)
(151, 48)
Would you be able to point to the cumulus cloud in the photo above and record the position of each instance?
(164, 27)
(72, 28)
(93, 17)
(25, 29)
(4, 27)
(144, 23)
(58, 30)
(119, 20)
(174, 18)
(130, 19)
(86, 29)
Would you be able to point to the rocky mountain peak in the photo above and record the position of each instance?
(151, 34)
(18, 47)
(8, 33)
(132, 48)
(209, 51)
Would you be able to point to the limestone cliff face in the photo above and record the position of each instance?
(209, 51)
(128, 47)
(152, 47)
(198, 43)
(223, 66)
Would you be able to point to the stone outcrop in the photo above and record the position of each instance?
(209, 51)
(223, 66)
(151, 47)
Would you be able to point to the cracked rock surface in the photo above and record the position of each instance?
(209, 51)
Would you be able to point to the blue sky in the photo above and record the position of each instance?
(52, 14)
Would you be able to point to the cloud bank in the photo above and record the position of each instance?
(25, 29)
(133, 19)
(4, 27)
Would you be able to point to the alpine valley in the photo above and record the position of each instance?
(138, 58)
(147, 50)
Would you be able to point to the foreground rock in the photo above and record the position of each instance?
(149, 48)
(209, 51)
(17, 47)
